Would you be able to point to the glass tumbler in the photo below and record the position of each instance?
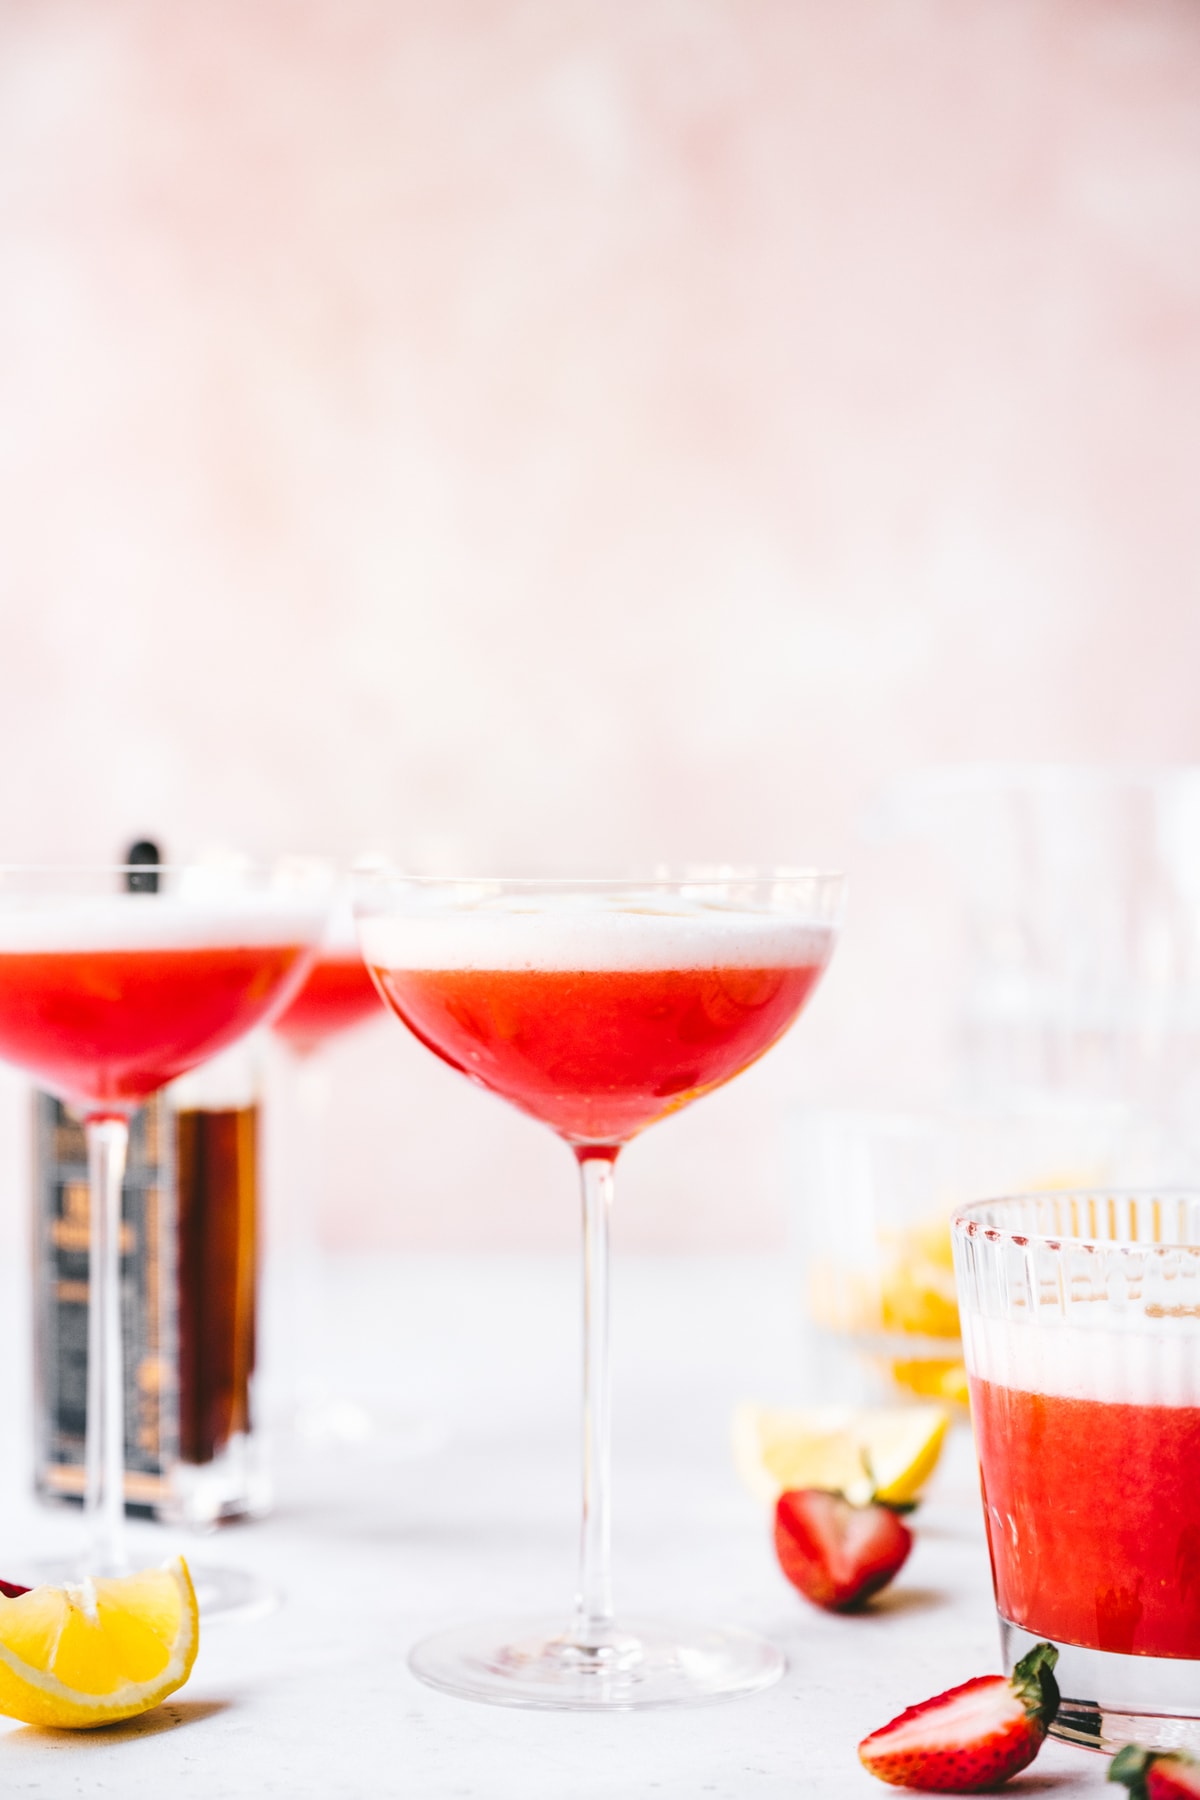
(1081, 1330)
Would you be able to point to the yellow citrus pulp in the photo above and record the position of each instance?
(907, 1291)
(918, 1293)
(99, 1650)
(933, 1378)
(919, 1298)
(888, 1451)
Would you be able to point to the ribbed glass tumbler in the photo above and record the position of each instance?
(1081, 1331)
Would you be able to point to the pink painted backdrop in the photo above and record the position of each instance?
(562, 434)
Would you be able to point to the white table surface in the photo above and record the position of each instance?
(374, 1548)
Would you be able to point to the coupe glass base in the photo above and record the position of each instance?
(1109, 1699)
(535, 1663)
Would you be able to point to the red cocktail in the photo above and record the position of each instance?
(598, 1008)
(105, 996)
(338, 993)
(109, 1027)
(598, 1054)
(1093, 1518)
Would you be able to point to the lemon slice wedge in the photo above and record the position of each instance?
(889, 1452)
(100, 1650)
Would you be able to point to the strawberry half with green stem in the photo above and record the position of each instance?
(1156, 1775)
(972, 1737)
(836, 1553)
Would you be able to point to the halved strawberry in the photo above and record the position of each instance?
(973, 1737)
(1151, 1775)
(838, 1554)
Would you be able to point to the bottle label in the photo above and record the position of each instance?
(61, 1219)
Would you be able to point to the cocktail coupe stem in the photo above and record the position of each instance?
(104, 1452)
(592, 1628)
(598, 1008)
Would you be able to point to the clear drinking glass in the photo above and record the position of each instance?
(598, 1008)
(109, 989)
(871, 1199)
(1080, 895)
(1081, 1327)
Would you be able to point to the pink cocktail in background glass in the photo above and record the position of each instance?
(336, 995)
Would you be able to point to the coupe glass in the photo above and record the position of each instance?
(598, 1008)
(1081, 1324)
(111, 986)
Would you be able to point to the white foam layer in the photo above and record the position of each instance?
(591, 935)
(155, 922)
(1137, 1359)
(341, 934)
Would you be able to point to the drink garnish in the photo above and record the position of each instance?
(1156, 1775)
(99, 1650)
(973, 1737)
(836, 1553)
(882, 1453)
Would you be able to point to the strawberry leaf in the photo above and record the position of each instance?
(1131, 1766)
(1034, 1685)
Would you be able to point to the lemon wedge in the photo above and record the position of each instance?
(889, 1452)
(100, 1650)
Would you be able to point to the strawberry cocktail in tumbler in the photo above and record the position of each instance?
(1081, 1329)
(113, 982)
(598, 1008)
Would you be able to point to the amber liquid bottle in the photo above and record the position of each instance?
(218, 1473)
(217, 1187)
